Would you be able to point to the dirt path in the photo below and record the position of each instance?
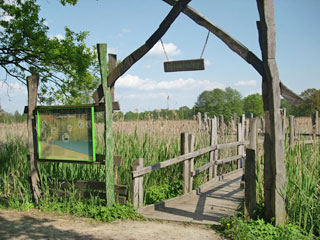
(39, 225)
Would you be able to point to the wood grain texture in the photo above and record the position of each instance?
(275, 173)
(250, 172)
(126, 64)
(33, 83)
(184, 150)
(236, 47)
(108, 139)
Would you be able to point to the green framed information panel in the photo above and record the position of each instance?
(66, 133)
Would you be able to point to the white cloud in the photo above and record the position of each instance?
(6, 18)
(246, 83)
(207, 62)
(12, 89)
(123, 32)
(255, 91)
(147, 66)
(135, 82)
(58, 36)
(157, 50)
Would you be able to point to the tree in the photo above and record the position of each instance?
(220, 102)
(66, 66)
(311, 103)
(253, 104)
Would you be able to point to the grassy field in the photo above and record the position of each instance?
(156, 141)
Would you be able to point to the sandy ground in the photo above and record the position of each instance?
(40, 225)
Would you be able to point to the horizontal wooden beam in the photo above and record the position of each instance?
(92, 185)
(126, 64)
(97, 107)
(100, 160)
(229, 159)
(237, 47)
(86, 195)
(184, 157)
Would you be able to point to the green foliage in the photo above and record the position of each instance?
(237, 229)
(158, 193)
(66, 66)
(220, 102)
(253, 104)
(311, 103)
(90, 209)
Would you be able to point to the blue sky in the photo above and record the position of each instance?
(126, 24)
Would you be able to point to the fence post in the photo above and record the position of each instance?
(33, 83)
(239, 138)
(137, 185)
(205, 120)
(213, 141)
(246, 133)
(250, 172)
(191, 161)
(291, 133)
(284, 121)
(315, 125)
(221, 125)
(199, 121)
(185, 149)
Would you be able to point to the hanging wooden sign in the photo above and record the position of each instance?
(184, 65)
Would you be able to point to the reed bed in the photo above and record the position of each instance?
(156, 141)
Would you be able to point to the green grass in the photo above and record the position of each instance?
(302, 165)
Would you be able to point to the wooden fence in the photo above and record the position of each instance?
(187, 159)
(248, 132)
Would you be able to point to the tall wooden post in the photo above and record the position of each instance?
(185, 149)
(213, 141)
(112, 65)
(108, 138)
(315, 125)
(274, 166)
(221, 125)
(239, 139)
(137, 185)
(250, 172)
(33, 83)
(199, 120)
(191, 139)
(291, 133)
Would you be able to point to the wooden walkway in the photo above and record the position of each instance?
(206, 205)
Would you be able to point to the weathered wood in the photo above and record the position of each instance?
(182, 158)
(137, 184)
(112, 65)
(315, 124)
(184, 146)
(141, 51)
(238, 48)
(292, 132)
(184, 65)
(213, 141)
(108, 137)
(92, 185)
(191, 140)
(199, 120)
(250, 172)
(97, 107)
(33, 83)
(229, 159)
(275, 176)
(239, 138)
(221, 125)
(205, 121)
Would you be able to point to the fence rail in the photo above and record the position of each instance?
(187, 158)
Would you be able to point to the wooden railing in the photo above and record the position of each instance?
(187, 158)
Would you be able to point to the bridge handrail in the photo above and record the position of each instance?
(181, 158)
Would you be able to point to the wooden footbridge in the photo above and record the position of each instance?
(220, 196)
(205, 205)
